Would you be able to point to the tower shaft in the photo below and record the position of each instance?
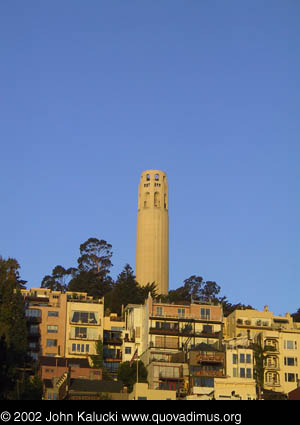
(152, 247)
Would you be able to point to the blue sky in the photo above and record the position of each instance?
(93, 93)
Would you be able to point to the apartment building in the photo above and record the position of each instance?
(239, 382)
(45, 312)
(279, 336)
(112, 342)
(62, 324)
(84, 324)
(164, 333)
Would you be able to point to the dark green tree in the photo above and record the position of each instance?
(296, 316)
(13, 329)
(126, 290)
(94, 263)
(128, 374)
(59, 279)
(95, 255)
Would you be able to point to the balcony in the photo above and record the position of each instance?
(164, 376)
(34, 336)
(112, 341)
(209, 372)
(85, 337)
(164, 346)
(210, 358)
(271, 348)
(33, 319)
(272, 366)
(37, 298)
(161, 331)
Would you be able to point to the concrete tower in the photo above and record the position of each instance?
(152, 244)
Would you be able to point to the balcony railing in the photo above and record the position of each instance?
(112, 341)
(210, 358)
(34, 319)
(272, 366)
(209, 372)
(184, 332)
(165, 376)
(84, 336)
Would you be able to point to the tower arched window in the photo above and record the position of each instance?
(146, 199)
(156, 199)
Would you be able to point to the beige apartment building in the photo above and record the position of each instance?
(280, 338)
(84, 324)
(164, 333)
(113, 327)
(45, 312)
(62, 324)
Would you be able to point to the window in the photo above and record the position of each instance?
(290, 345)
(80, 332)
(156, 176)
(181, 312)
(291, 377)
(234, 358)
(290, 361)
(127, 350)
(52, 313)
(242, 372)
(147, 177)
(203, 382)
(51, 343)
(205, 313)
(234, 370)
(242, 358)
(84, 317)
(249, 373)
(156, 200)
(146, 200)
(207, 329)
(52, 329)
(33, 312)
(159, 311)
(34, 329)
(142, 398)
(248, 358)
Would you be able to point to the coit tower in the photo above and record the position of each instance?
(152, 245)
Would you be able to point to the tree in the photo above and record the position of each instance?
(91, 275)
(126, 290)
(260, 354)
(296, 316)
(13, 329)
(98, 363)
(95, 255)
(128, 375)
(59, 279)
(194, 289)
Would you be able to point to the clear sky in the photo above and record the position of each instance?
(93, 93)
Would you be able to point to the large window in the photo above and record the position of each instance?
(84, 317)
(33, 312)
(81, 348)
(203, 382)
